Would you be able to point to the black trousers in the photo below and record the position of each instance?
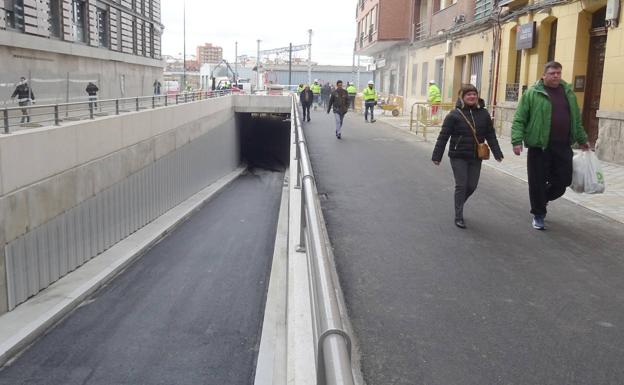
(550, 173)
(306, 111)
(467, 173)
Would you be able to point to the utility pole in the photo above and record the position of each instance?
(258, 66)
(358, 73)
(184, 53)
(289, 64)
(310, 56)
(236, 63)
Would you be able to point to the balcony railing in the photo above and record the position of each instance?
(421, 30)
(512, 92)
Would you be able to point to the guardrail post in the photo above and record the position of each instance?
(185, 98)
(137, 103)
(116, 106)
(153, 102)
(91, 110)
(57, 122)
(6, 121)
(177, 98)
(301, 247)
(166, 98)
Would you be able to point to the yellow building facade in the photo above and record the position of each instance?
(590, 47)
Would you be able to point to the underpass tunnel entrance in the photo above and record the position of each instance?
(264, 140)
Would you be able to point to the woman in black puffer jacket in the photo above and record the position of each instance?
(463, 149)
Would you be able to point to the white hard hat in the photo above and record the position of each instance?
(371, 82)
(315, 80)
(431, 81)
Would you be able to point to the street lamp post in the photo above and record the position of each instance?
(184, 53)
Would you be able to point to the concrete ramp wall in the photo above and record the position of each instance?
(68, 193)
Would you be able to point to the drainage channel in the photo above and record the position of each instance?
(190, 310)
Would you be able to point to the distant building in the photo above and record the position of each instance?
(278, 74)
(209, 53)
(61, 45)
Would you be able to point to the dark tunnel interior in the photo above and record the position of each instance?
(264, 140)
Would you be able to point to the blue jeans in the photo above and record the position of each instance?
(369, 104)
(339, 119)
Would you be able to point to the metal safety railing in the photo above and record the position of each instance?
(333, 344)
(34, 116)
(427, 118)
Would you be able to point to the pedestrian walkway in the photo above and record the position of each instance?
(610, 203)
(496, 303)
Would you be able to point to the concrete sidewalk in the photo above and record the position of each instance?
(609, 204)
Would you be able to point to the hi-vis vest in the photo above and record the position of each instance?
(369, 94)
(316, 88)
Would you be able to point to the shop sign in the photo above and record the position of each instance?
(525, 36)
(381, 63)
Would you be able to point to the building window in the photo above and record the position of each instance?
(424, 79)
(414, 79)
(79, 8)
(14, 14)
(55, 18)
(102, 27)
(553, 41)
(439, 73)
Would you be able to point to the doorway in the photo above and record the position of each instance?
(597, 48)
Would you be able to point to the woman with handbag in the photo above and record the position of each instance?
(468, 126)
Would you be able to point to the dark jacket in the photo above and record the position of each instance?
(457, 129)
(306, 97)
(23, 92)
(92, 89)
(339, 100)
(326, 90)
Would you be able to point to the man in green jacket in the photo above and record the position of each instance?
(548, 122)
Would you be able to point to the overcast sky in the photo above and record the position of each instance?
(275, 22)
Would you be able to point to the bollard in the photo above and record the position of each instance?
(166, 98)
(57, 121)
(6, 121)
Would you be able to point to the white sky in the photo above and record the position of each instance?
(275, 22)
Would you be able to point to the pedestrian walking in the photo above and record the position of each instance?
(316, 90)
(92, 91)
(548, 122)
(339, 102)
(466, 125)
(434, 96)
(25, 97)
(306, 97)
(352, 91)
(370, 101)
(157, 86)
(326, 90)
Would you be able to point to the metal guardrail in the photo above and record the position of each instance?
(34, 116)
(333, 343)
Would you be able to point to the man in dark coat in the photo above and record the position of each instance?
(325, 92)
(92, 91)
(25, 97)
(306, 97)
(339, 101)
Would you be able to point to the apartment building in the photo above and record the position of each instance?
(60, 45)
(209, 53)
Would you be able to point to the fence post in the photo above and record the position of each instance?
(6, 121)
(56, 116)
(166, 98)
(153, 102)
(137, 103)
(116, 106)
(177, 98)
(91, 110)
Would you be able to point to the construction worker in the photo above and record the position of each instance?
(316, 91)
(352, 91)
(434, 97)
(370, 100)
(299, 89)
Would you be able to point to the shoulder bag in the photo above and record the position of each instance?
(483, 151)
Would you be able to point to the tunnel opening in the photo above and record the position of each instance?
(264, 140)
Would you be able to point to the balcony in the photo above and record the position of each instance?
(421, 31)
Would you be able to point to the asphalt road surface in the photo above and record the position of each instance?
(497, 303)
(188, 312)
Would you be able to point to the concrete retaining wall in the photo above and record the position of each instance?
(46, 172)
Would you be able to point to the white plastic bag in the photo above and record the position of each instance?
(587, 175)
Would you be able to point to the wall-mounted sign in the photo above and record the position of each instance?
(525, 36)
(579, 83)
(380, 63)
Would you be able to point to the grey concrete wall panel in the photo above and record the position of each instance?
(43, 255)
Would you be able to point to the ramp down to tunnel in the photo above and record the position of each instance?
(188, 312)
